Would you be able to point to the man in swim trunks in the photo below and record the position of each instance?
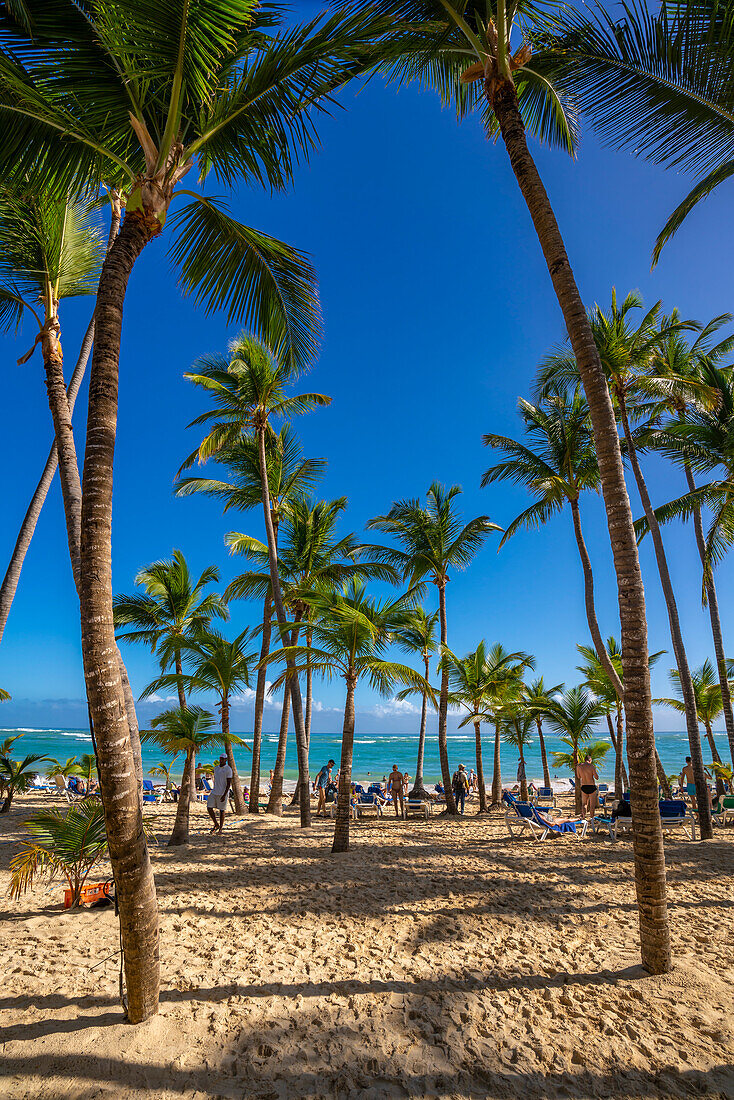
(688, 782)
(320, 785)
(587, 777)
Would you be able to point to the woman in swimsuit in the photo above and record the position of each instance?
(587, 776)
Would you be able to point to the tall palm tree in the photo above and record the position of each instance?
(248, 387)
(351, 632)
(702, 441)
(708, 702)
(505, 693)
(219, 93)
(73, 262)
(431, 541)
(462, 49)
(419, 636)
(518, 731)
(222, 667)
(658, 81)
(538, 699)
(475, 680)
(574, 716)
(188, 730)
(627, 349)
(556, 468)
(289, 477)
(171, 610)
(310, 556)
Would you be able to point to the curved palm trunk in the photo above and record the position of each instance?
(275, 801)
(134, 882)
(496, 775)
(419, 790)
(295, 690)
(295, 801)
(28, 526)
(480, 768)
(543, 754)
(713, 605)
(576, 784)
(601, 649)
(686, 683)
(239, 798)
(647, 833)
(257, 735)
(187, 795)
(720, 788)
(341, 829)
(132, 722)
(617, 743)
(523, 781)
(443, 708)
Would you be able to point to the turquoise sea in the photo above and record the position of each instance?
(374, 755)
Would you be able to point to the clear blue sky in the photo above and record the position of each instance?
(437, 307)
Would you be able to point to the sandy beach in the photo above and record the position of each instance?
(434, 959)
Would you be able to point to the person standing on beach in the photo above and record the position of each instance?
(688, 783)
(460, 785)
(587, 776)
(217, 800)
(395, 788)
(322, 781)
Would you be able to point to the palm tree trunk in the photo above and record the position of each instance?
(296, 800)
(257, 735)
(713, 603)
(686, 683)
(617, 743)
(419, 790)
(647, 834)
(543, 754)
(28, 526)
(341, 829)
(443, 708)
(480, 768)
(601, 649)
(239, 798)
(132, 722)
(134, 882)
(275, 801)
(576, 784)
(720, 789)
(180, 834)
(523, 781)
(179, 684)
(496, 775)
(295, 690)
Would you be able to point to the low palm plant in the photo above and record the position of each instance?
(66, 769)
(16, 777)
(351, 633)
(163, 771)
(87, 767)
(189, 730)
(68, 843)
(597, 750)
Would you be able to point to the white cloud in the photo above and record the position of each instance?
(155, 698)
(395, 706)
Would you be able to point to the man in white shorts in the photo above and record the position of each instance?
(217, 800)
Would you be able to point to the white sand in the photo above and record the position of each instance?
(437, 959)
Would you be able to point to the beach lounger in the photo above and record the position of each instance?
(149, 794)
(544, 798)
(674, 814)
(524, 817)
(59, 788)
(417, 805)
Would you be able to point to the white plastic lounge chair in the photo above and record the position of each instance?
(522, 817)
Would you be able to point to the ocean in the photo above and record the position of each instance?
(373, 755)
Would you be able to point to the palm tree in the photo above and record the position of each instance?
(351, 632)
(561, 466)
(538, 700)
(419, 636)
(220, 666)
(188, 730)
(574, 716)
(86, 767)
(69, 843)
(69, 767)
(5, 696)
(248, 387)
(659, 82)
(431, 541)
(701, 440)
(505, 694)
(228, 98)
(518, 733)
(170, 612)
(626, 353)
(474, 681)
(597, 750)
(290, 476)
(51, 250)
(461, 48)
(708, 702)
(597, 681)
(163, 771)
(310, 557)
(16, 777)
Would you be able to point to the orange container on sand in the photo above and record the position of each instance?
(91, 891)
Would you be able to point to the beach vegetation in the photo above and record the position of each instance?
(17, 777)
(67, 842)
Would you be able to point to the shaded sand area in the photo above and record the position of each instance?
(437, 959)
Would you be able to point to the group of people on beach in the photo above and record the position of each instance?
(394, 788)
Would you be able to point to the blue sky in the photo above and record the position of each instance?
(437, 308)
